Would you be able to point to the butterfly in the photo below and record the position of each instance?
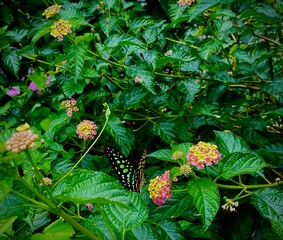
(130, 175)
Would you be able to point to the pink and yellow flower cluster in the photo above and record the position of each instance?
(71, 105)
(159, 188)
(86, 130)
(203, 154)
(51, 11)
(60, 28)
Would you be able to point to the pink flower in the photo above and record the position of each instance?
(159, 188)
(203, 154)
(86, 130)
(13, 92)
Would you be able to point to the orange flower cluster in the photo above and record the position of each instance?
(203, 154)
(60, 28)
(86, 130)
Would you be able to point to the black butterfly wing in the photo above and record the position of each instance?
(123, 168)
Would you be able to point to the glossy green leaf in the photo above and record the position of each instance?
(126, 218)
(269, 203)
(190, 87)
(169, 230)
(173, 208)
(165, 130)
(12, 205)
(122, 136)
(143, 232)
(6, 225)
(206, 198)
(228, 142)
(202, 6)
(58, 230)
(42, 29)
(12, 61)
(108, 24)
(5, 186)
(162, 154)
(76, 57)
(239, 163)
(88, 187)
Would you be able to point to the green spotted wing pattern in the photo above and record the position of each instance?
(130, 175)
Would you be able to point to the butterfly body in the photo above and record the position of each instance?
(130, 175)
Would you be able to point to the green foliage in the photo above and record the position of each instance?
(154, 76)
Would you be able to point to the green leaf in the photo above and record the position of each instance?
(150, 35)
(206, 198)
(5, 186)
(143, 232)
(169, 230)
(89, 187)
(12, 61)
(57, 147)
(41, 30)
(71, 87)
(96, 223)
(4, 43)
(165, 130)
(173, 208)
(122, 136)
(39, 79)
(190, 87)
(121, 40)
(202, 6)
(275, 89)
(177, 13)
(138, 23)
(124, 219)
(6, 225)
(228, 142)
(269, 203)
(108, 24)
(12, 205)
(76, 57)
(37, 219)
(163, 154)
(238, 163)
(147, 77)
(134, 97)
(57, 230)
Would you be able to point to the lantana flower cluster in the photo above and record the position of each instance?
(21, 141)
(71, 105)
(159, 188)
(60, 28)
(203, 154)
(177, 155)
(51, 11)
(185, 2)
(86, 130)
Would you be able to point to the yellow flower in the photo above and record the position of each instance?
(51, 11)
(60, 28)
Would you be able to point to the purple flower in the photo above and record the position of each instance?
(13, 92)
(33, 87)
